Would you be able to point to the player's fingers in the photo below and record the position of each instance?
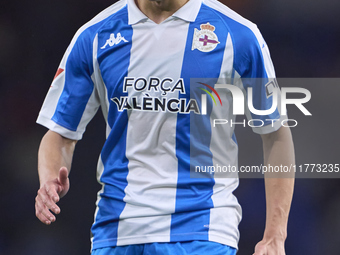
(51, 191)
(40, 216)
(42, 212)
(49, 203)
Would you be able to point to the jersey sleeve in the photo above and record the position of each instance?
(72, 101)
(258, 81)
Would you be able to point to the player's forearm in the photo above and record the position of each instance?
(278, 150)
(278, 198)
(55, 151)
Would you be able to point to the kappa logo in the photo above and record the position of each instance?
(114, 40)
(205, 40)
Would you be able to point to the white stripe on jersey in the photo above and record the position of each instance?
(100, 86)
(100, 170)
(149, 164)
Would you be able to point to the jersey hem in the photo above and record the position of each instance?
(163, 239)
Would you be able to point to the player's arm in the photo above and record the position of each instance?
(278, 150)
(54, 163)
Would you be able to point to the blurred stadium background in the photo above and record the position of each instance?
(304, 39)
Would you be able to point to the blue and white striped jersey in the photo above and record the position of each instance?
(141, 75)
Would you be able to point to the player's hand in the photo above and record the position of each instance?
(48, 196)
(270, 247)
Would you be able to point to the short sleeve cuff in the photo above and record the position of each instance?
(273, 126)
(53, 126)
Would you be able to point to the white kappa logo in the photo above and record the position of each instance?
(205, 40)
(114, 40)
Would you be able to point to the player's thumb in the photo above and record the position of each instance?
(63, 176)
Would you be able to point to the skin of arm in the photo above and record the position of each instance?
(278, 150)
(54, 164)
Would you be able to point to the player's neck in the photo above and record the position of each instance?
(159, 10)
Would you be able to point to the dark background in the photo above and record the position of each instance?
(304, 39)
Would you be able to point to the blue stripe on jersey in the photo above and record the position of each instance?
(111, 205)
(193, 198)
(78, 84)
(115, 67)
(234, 138)
(249, 63)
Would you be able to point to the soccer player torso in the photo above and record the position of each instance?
(152, 81)
(146, 69)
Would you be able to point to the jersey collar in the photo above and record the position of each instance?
(135, 15)
(187, 12)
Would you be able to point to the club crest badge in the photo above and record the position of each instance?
(205, 40)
